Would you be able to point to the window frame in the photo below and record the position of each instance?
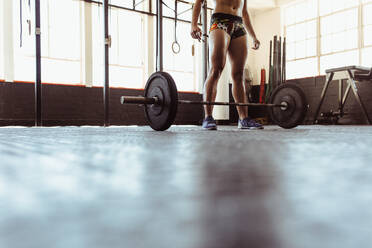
(117, 64)
(46, 48)
(360, 30)
(144, 10)
(299, 23)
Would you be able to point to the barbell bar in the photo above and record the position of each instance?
(232, 104)
(155, 100)
(287, 106)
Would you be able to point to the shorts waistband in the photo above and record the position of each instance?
(226, 16)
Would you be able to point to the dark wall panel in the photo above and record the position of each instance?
(75, 105)
(254, 112)
(313, 88)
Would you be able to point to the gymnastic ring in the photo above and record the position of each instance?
(176, 48)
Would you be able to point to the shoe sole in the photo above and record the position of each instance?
(250, 128)
(210, 128)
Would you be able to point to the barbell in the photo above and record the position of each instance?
(287, 107)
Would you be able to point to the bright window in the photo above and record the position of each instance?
(332, 6)
(24, 43)
(181, 65)
(367, 24)
(337, 41)
(97, 44)
(60, 41)
(367, 57)
(63, 45)
(339, 60)
(339, 32)
(302, 68)
(366, 54)
(127, 52)
(301, 40)
(138, 4)
(127, 4)
(1, 45)
(300, 12)
(131, 56)
(183, 9)
(301, 33)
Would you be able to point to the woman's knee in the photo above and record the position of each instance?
(237, 76)
(216, 71)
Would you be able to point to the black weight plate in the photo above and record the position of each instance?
(161, 116)
(295, 113)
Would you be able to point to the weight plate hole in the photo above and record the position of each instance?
(284, 106)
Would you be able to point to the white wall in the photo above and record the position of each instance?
(266, 24)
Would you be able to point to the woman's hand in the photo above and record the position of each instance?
(257, 44)
(196, 32)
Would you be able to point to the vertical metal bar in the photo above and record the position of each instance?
(346, 93)
(269, 83)
(20, 21)
(340, 96)
(280, 61)
(357, 97)
(106, 87)
(275, 63)
(328, 81)
(205, 44)
(284, 66)
(364, 110)
(159, 38)
(38, 119)
(271, 53)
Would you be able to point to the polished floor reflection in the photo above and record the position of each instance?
(111, 187)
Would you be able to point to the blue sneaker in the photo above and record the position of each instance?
(250, 124)
(209, 123)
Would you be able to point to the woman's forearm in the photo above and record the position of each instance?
(248, 25)
(196, 12)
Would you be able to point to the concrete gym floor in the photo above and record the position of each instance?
(71, 187)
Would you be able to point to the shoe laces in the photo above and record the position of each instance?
(250, 122)
(209, 119)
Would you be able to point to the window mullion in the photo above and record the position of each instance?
(360, 31)
(118, 60)
(319, 46)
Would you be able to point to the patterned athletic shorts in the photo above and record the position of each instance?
(233, 25)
